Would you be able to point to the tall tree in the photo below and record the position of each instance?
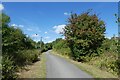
(85, 34)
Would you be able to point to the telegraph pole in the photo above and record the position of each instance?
(36, 41)
(41, 43)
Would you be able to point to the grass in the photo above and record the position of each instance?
(37, 70)
(92, 70)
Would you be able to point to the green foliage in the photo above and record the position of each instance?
(17, 49)
(84, 42)
(117, 65)
(106, 44)
(48, 46)
(110, 44)
(8, 68)
(5, 19)
(14, 40)
(110, 48)
(40, 45)
(61, 46)
(108, 61)
(26, 57)
(84, 34)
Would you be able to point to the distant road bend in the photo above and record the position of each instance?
(58, 67)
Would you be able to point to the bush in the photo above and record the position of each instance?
(10, 64)
(28, 57)
(17, 49)
(60, 45)
(34, 55)
(117, 64)
(8, 68)
(107, 62)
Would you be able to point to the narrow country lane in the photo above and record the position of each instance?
(58, 67)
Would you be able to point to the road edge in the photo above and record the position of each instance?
(78, 64)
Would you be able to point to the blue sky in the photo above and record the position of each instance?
(47, 19)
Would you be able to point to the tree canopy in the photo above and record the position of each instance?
(85, 34)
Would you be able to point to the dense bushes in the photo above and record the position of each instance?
(61, 46)
(110, 55)
(48, 46)
(17, 49)
(8, 68)
(27, 57)
(110, 44)
(40, 45)
(106, 61)
(44, 47)
(10, 65)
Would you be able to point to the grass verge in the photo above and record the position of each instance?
(92, 70)
(37, 70)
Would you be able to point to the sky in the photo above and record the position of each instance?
(47, 19)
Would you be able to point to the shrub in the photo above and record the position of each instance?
(28, 56)
(8, 68)
(60, 45)
(17, 48)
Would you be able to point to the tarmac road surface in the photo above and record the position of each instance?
(58, 67)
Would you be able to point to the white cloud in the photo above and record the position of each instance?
(36, 40)
(29, 29)
(27, 35)
(35, 35)
(108, 37)
(21, 26)
(59, 28)
(65, 13)
(49, 41)
(1, 7)
(46, 32)
(63, 37)
(47, 37)
(15, 25)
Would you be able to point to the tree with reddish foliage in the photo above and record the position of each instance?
(84, 34)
